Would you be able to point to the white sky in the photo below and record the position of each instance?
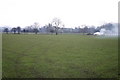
(72, 13)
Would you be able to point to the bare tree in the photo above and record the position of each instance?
(36, 26)
(56, 24)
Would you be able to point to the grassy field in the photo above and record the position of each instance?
(61, 56)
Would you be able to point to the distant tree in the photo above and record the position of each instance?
(36, 30)
(91, 30)
(14, 30)
(29, 28)
(50, 28)
(52, 31)
(35, 27)
(18, 29)
(107, 26)
(56, 23)
(24, 30)
(6, 30)
(85, 30)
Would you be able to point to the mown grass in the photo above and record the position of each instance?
(61, 56)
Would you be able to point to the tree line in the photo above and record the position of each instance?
(56, 26)
(52, 27)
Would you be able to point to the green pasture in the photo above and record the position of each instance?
(59, 56)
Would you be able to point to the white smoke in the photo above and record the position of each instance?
(111, 33)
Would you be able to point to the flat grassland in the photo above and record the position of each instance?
(61, 56)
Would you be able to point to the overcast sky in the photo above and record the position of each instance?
(72, 13)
